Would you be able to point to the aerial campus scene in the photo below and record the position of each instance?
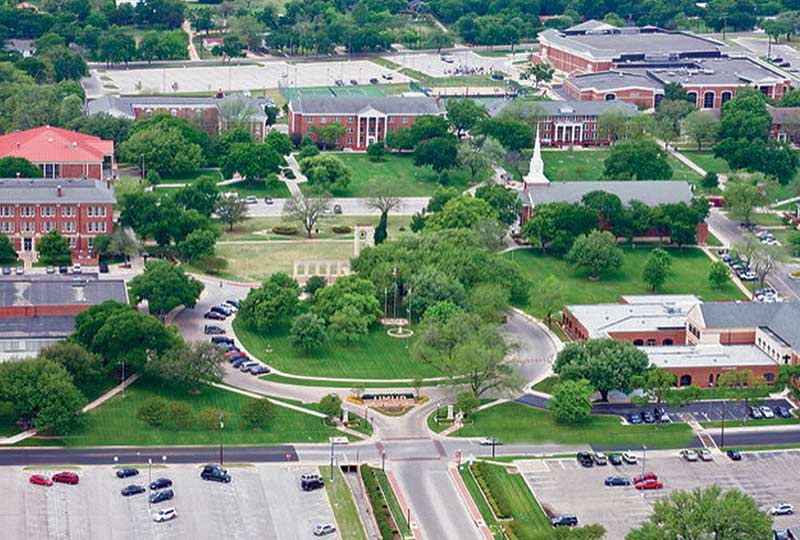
(407, 269)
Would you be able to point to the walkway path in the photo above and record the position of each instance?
(187, 27)
(299, 177)
(785, 201)
(363, 506)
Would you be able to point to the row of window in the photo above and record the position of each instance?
(50, 211)
(350, 119)
(47, 226)
(708, 97)
(686, 380)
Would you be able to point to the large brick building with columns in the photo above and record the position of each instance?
(61, 153)
(79, 209)
(366, 119)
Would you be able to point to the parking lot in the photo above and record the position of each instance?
(263, 501)
(705, 411)
(563, 486)
(432, 64)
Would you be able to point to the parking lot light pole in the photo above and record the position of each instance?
(221, 426)
(332, 452)
(644, 459)
(722, 439)
(383, 460)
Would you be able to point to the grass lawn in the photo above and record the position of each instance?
(705, 160)
(547, 385)
(529, 520)
(766, 219)
(256, 261)
(344, 507)
(394, 506)
(115, 423)
(689, 269)
(515, 423)
(259, 228)
(213, 173)
(399, 171)
(713, 240)
(336, 384)
(483, 507)
(260, 188)
(378, 356)
(573, 165)
(783, 236)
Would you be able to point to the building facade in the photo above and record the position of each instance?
(61, 153)
(366, 119)
(79, 209)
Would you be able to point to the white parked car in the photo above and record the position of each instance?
(767, 412)
(490, 441)
(706, 455)
(322, 530)
(689, 455)
(165, 514)
(783, 509)
(251, 199)
(629, 458)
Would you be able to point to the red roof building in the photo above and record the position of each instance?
(61, 153)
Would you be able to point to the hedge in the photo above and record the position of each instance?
(342, 229)
(285, 230)
(487, 480)
(288, 173)
(379, 507)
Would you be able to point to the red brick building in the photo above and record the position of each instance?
(366, 119)
(61, 153)
(633, 88)
(79, 209)
(785, 123)
(207, 113)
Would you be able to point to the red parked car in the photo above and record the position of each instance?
(214, 315)
(643, 477)
(650, 484)
(66, 478)
(40, 480)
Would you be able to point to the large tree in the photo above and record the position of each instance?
(701, 127)
(163, 149)
(7, 252)
(16, 167)
(612, 123)
(308, 333)
(479, 153)
(165, 287)
(428, 127)
(555, 226)
(84, 366)
(329, 134)
(607, 364)
(669, 117)
(54, 248)
(327, 172)
(430, 286)
(637, 160)
(251, 161)
(718, 274)
(503, 200)
(572, 401)
(201, 195)
(705, 513)
(597, 252)
(231, 209)
(745, 117)
(462, 212)
(657, 268)
(349, 307)
(743, 197)
(512, 134)
(190, 365)
(307, 209)
(547, 297)
(440, 153)
(463, 114)
(270, 305)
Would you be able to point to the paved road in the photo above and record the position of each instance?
(737, 438)
(729, 232)
(760, 47)
(350, 207)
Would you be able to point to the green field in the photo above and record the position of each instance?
(689, 268)
(343, 505)
(259, 228)
(483, 507)
(575, 165)
(378, 356)
(213, 173)
(516, 423)
(766, 219)
(399, 171)
(706, 161)
(115, 423)
(271, 188)
(281, 379)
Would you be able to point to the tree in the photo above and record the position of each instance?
(201, 195)
(328, 134)
(611, 123)
(704, 513)
(402, 139)
(431, 286)
(701, 127)
(598, 252)
(376, 151)
(352, 298)
(607, 364)
(467, 402)
(7, 252)
(13, 167)
(539, 73)
(232, 47)
(163, 149)
(479, 153)
(331, 406)
(258, 413)
(380, 231)
(657, 268)
(763, 261)
(572, 402)
(710, 180)
(165, 287)
(271, 304)
(637, 160)
(308, 333)
(669, 117)
(503, 200)
(512, 134)
(326, 172)
(280, 142)
(231, 209)
(313, 284)
(198, 244)
(347, 325)
(743, 197)
(54, 248)
(659, 383)
(440, 153)
(382, 198)
(190, 365)
(554, 226)
(464, 114)
(462, 212)
(548, 298)
(428, 127)
(745, 117)
(307, 209)
(718, 274)
(84, 366)
(251, 161)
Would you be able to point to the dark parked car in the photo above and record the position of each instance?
(214, 316)
(634, 418)
(234, 303)
(615, 459)
(160, 483)
(567, 520)
(222, 339)
(337, 208)
(66, 478)
(780, 534)
(259, 370)
(647, 418)
(62, 269)
(354, 82)
(127, 472)
(237, 363)
(617, 481)
(339, 82)
(6, 270)
(782, 412)
(132, 489)
(213, 329)
(735, 455)
(222, 310)
(161, 496)
(103, 268)
(312, 484)
(216, 473)
(374, 81)
(497, 76)
(585, 459)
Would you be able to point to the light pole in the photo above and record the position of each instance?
(221, 426)
(149, 475)
(722, 439)
(644, 459)
(331, 452)
(383, 460)
(123, 378)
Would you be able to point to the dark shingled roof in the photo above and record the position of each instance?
(45, 190)
(781, 318)
(60, 291)
(412, 105)
(57, 326)
(650, 192)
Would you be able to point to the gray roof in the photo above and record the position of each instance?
(60, 290)
(412, 105)
(591, 24)
(710, 71)
(56, 326)
(687, 356)
(123, 105)
(567, 106)
(611, 80)
(783, 115)
(45, 190)
(650, 192)
(781, 318)
(645, 313)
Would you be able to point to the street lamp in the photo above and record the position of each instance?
(221, 426)
(332, 424)
(644, 459)
(149, 473)
(383, 460)
(123, 378)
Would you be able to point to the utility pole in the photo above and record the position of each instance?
(221, 426)
(331, 452)
(644, 459)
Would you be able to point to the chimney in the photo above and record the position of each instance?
(58, 190)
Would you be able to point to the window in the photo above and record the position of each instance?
(335, 118)
(657, 99)
(90, 242)
(52, 170)
(404, 119)
(726, 96)
(7, 211)
(309, 120)
(692, 97)
(766, 90)
(710, 379)
(8, 227)
(350, 118)
(68, 211)
(391, 119)
(685, 380)
(651, 342)
(638, 342)
(769, 377)
(349, 140)
(610, 97)
(27, 211)
(667, 342)
(72, 242)
(323, 119)
(349, 130)
(68, 226)
(708, 100)
(103, 211)
(90, 211)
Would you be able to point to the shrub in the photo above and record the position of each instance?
(314, 284)
(289, 173)
(710, 180)
(379, 507)
(208, 419)
(154, 411)
(286, 230)
(486, 476)
(211, 265)
(342, 229)
(181, 415)
(257, 413)
(402, 228)
(152, 177)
